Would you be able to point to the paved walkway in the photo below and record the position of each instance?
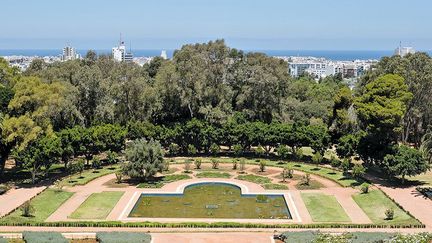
(131, 193)
(15, 197)
(409, 198)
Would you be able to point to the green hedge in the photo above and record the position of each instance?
(303, 236)
(43, 237)
(123, 237)
(205, 225)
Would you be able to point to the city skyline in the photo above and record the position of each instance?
(253, 25)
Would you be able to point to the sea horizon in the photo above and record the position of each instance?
(337, 55)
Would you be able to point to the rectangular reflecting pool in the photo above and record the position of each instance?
(211, 200)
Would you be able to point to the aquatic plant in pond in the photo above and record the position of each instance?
(211, 200)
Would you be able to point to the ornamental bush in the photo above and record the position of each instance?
(43, 237)
(123, 237)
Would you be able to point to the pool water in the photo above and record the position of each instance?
(211, 200)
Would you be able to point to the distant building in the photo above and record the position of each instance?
(69, 53)
(321, 68)
(164, 54)
(404, 50)
(120, 54)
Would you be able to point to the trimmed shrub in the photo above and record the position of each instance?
(112, 157)
(43, 237)
(262, 165)
(198, 163)
(303, 236)
(187, 165)
(173, 149)
(334, 162)
(358, 171)
(364, 188)
(234, 164)
(299, 154)
(123, 237)
(215, 163)
(242, 165)
(389, 213)
(119, 177)
(27, 210)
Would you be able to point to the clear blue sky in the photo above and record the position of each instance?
(245, 24)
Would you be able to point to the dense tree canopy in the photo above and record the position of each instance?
(210, 95)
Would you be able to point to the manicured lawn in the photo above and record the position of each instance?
(44, 204)
(254, 179)
(160, 182)
(313, 184)
(211, 200)
(97, 205)
(325, 172)
(211, 174)
(375, 203)
(425, 178)
(273, 186)
(89, 175)
(324, 208)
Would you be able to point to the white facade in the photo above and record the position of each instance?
(321, 68)
(164, 54)
(69, 53)
(120, 54)
(403, 51)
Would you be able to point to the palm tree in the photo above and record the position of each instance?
(426, 145)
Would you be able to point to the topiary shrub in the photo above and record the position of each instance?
(43, 237)
(364, 188)
(123, 237)
(242, 165)
(389, 213)
(187, 166)
(358, 171)
(27, 210)
(234, 164)
(215, 163)
(262, 165)
(119, 177)
(198, 163)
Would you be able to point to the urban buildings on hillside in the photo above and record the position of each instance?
(120, 54)
(321, 67)
(69, 53)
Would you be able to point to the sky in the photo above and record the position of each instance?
(244, 24)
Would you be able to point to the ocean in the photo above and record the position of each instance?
(339, 55)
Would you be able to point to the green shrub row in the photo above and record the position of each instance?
(43, 237)
(123, 237)
(205, 225)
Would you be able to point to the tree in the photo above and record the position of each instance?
(39, 155)
(145, 159)
(381, 108)
(348, 145)
(358, 171)
(317, 158)
(405, 161)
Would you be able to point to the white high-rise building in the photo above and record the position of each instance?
(120, 54)
(404, 50)
(164, 54)
(69, 53)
